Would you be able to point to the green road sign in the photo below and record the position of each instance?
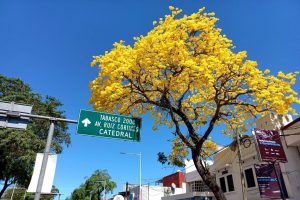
(108, 125)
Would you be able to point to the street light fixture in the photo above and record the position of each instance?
(140, 155)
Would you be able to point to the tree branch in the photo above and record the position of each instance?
(210, 128)
(5, 186)
(179, 133)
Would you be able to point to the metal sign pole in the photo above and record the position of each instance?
(279, 181)
(19, 111)
(47, 150)
(44, 162)
(141, 191)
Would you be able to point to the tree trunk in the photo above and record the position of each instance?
(5, 186)
(98, 195)
(208, 179)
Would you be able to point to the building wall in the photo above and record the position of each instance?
(249, 162)
(291, 171)
(177, 178)
(226, 170)
(186, 192)
(226, 163)
(273, 122)
(149, 192)
(192, 176)
(292, 131)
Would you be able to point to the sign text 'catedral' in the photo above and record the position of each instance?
(109, 125)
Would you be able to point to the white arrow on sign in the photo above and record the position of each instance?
(86, 122)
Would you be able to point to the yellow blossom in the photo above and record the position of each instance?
(185, 70)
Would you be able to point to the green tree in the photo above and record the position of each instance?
(20, 192)
(18, 148)
(93, 187)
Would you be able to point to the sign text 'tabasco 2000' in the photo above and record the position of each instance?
(108, 125)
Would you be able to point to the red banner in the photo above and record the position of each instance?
(267, 181)
(269, 146)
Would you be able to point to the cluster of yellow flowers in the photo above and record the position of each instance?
(209, 147)
(179, 152)
(187, 60)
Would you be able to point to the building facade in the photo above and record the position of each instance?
(172, 184)
(227, 169)
(193, 187)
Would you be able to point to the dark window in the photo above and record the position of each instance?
(250, 178)
(230, 183)
(222, 183)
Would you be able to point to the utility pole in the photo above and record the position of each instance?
(148, 191)
(244, 190)
(282, 194)
(140, 154)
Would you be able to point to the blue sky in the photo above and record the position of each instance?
(50, 44)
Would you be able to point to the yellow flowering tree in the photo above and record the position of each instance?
(187, 75)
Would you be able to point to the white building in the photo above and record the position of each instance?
(194, 187)
(148, 192)
(172, 184)
(227, 170)
(177, 186)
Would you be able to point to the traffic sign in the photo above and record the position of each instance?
(11, 115)
(108, 125)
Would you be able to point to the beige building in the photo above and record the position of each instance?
(227, 169)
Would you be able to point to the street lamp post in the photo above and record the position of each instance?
(140, 155)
